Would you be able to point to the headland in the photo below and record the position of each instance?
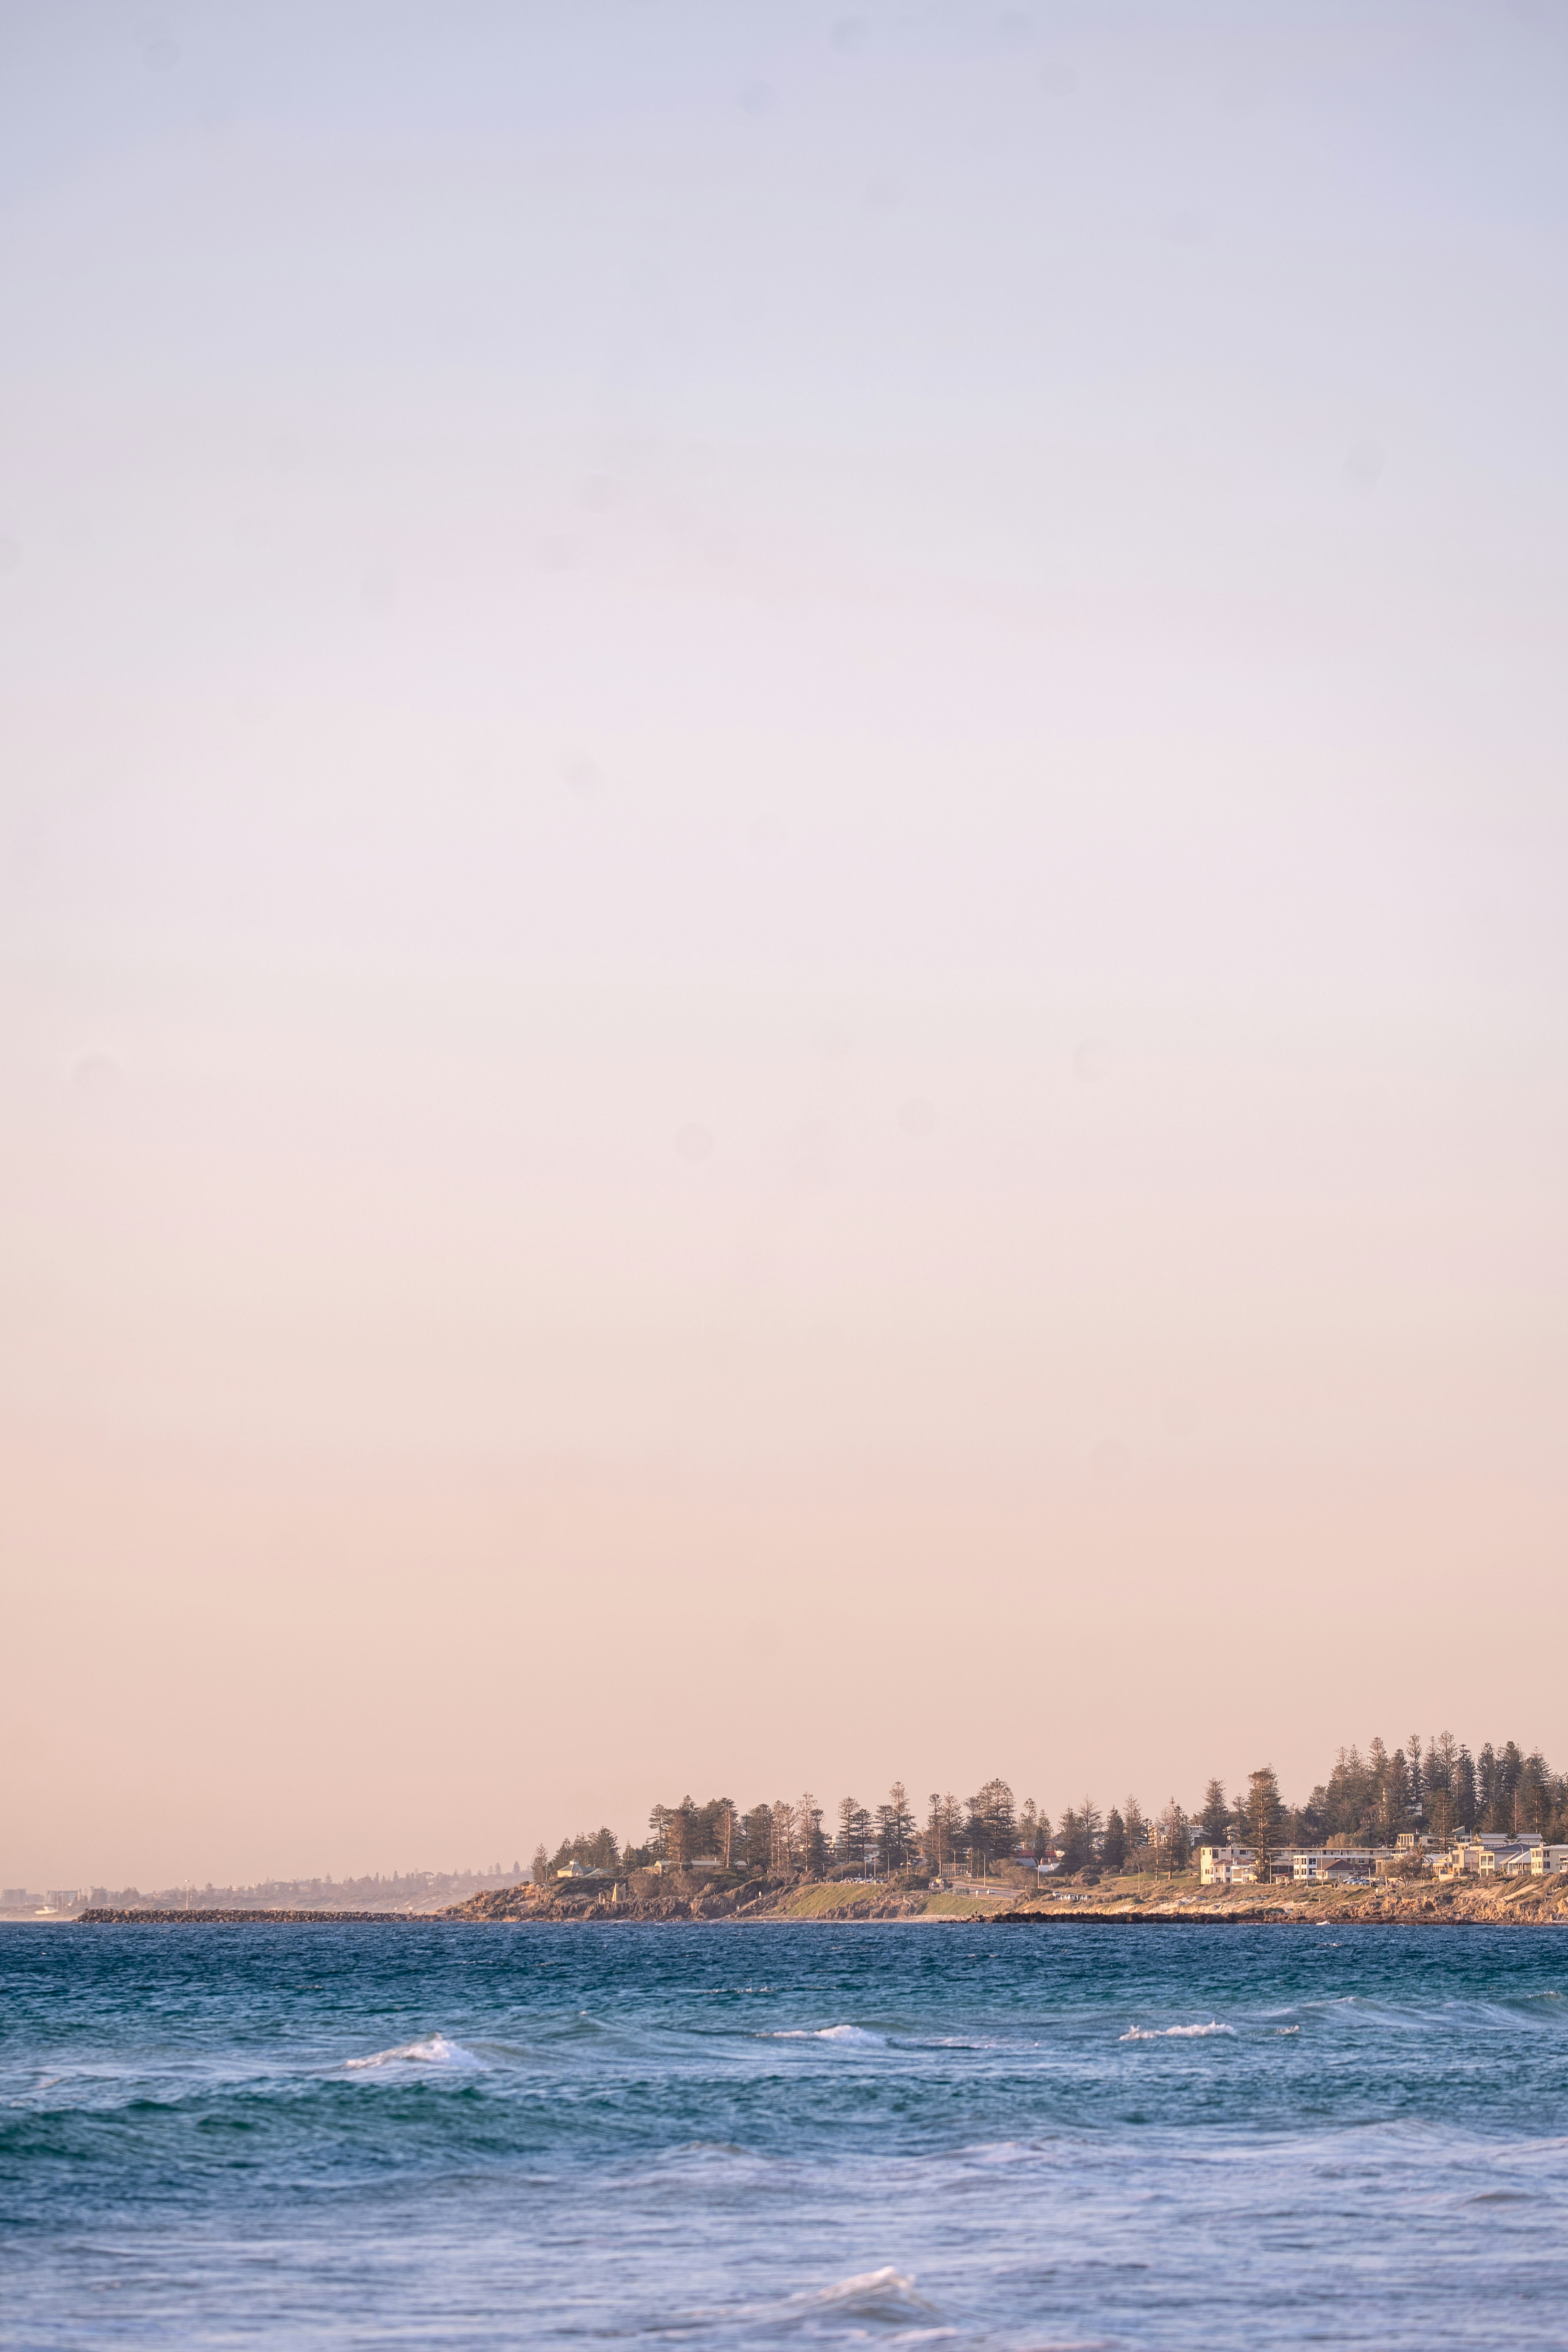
(1124, 1902)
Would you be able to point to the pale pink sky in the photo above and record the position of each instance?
(782, 932)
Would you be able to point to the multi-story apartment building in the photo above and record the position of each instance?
(1236, 1866)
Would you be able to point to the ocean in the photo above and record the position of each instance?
(736, 2135)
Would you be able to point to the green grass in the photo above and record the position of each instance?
(822, 1902)
(816, 1902)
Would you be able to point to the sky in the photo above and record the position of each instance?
(784, 962)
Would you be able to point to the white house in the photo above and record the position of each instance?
(1236, 1866)
(1340, 1865)
(1489, 1855)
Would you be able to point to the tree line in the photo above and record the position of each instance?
(1437, 1786)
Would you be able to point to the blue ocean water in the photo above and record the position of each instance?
(736, 2135)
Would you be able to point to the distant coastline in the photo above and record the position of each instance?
(1426, 1831)
(1526, 1903)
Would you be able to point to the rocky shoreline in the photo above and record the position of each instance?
(1531, 1902)
(757, 1898)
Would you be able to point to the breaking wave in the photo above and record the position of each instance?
(885, 2295)
(1175, 2033)
(435, 2051)
(829, 2034)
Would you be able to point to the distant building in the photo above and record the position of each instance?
(1345, 1866)
(1226, 1865)
(1489, 1855)
(1236, 1866)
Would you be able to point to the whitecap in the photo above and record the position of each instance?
(829, 2034)
(433, 2050)
(885, 2295)
(1175, 2033)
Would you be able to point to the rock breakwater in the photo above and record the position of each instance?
(216, 1919)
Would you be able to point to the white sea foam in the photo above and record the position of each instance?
(435, 2051)
(885, 2299)
(970, 2042)
(829, 2034)
(1175, 2033)
(885, 2295)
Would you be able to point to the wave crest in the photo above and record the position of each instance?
(433, 2050)
(882, 2295)
(1175, 2033)
(829, 2034)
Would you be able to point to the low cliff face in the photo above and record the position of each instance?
(1497, 1903)
(1485, 1902)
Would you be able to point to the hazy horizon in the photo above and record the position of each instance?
(783, 954)
(558, 1838)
